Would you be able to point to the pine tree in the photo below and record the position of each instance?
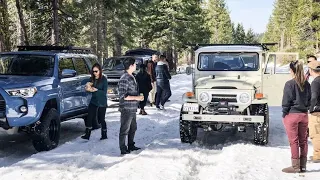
(240, 35)
(250, 37)
(219, 22)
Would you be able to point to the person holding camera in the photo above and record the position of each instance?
(128, 104)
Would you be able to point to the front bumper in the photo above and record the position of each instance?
(12, 116)
(223, 118)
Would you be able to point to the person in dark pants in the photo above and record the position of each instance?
(163, 85)
(295, 104)
(144, 83)
(98, 86)
(128, 104)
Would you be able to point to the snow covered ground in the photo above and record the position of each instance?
(219, 156)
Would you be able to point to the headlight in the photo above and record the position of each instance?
(244, 98)
(22, 92)
(204, 97)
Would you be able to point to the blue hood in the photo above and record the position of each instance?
(11, 82)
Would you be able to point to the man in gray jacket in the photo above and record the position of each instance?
(129, 99)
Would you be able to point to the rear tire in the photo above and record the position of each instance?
(47, 133)
(188, 131)
(261, 130)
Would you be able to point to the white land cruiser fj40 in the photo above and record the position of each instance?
(233, 85)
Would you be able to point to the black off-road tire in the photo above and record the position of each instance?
(261, 130)
(47, 133)
(188, 131)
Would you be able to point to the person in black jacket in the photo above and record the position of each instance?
(295, 104)
(98, 86)
(144, 84)
(163, 85)
(314, 116)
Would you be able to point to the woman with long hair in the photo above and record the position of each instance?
(98, 86)
(295, 104)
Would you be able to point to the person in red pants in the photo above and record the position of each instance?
(295, 105)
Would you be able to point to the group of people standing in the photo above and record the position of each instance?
(301, 95)
(152, 80)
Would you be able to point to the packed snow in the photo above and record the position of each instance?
(219, 156)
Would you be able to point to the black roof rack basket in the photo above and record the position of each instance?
(64, 49)
(263, 45)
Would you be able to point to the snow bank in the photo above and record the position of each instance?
(215, 155)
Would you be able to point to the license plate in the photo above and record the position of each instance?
(191, 107)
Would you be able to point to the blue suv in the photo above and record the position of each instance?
(42, 86)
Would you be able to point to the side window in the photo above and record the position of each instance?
(81, 66)
(270, 64)
(65, 63)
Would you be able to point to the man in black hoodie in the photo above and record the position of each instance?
(314, 117)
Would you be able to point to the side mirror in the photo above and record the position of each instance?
(68, 73)
(188, 70)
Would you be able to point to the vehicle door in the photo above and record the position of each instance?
(83, 76)
(69, 86)
(276, 74)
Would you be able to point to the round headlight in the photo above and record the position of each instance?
(204, 97)
(244, 98)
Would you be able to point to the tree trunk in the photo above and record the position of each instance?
(116, 35)
(99, 30)
(4, 26)
(282, 41)
(55, 23)
(104, 31)
(22, 23)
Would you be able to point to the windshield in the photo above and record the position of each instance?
(26, 65)
(117, 64)
(113, 64)
(228, 62)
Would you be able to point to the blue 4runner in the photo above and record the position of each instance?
(41, 86)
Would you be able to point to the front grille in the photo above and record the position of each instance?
(224, 97)
(2, 104)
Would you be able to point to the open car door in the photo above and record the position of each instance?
(276, 74)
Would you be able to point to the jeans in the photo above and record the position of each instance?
(128, 128)
(163, 94)
(296, 125)
(96, 112)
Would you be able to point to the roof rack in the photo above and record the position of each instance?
(263, 45)
(65, 49)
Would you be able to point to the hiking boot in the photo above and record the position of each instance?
(103, 134)
(87, 134)
(144, 112)
(125, 152)
(295, 168)
(133, 148)
(303, 164)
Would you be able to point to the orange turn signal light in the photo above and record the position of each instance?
(259, 95)
(189, 94)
